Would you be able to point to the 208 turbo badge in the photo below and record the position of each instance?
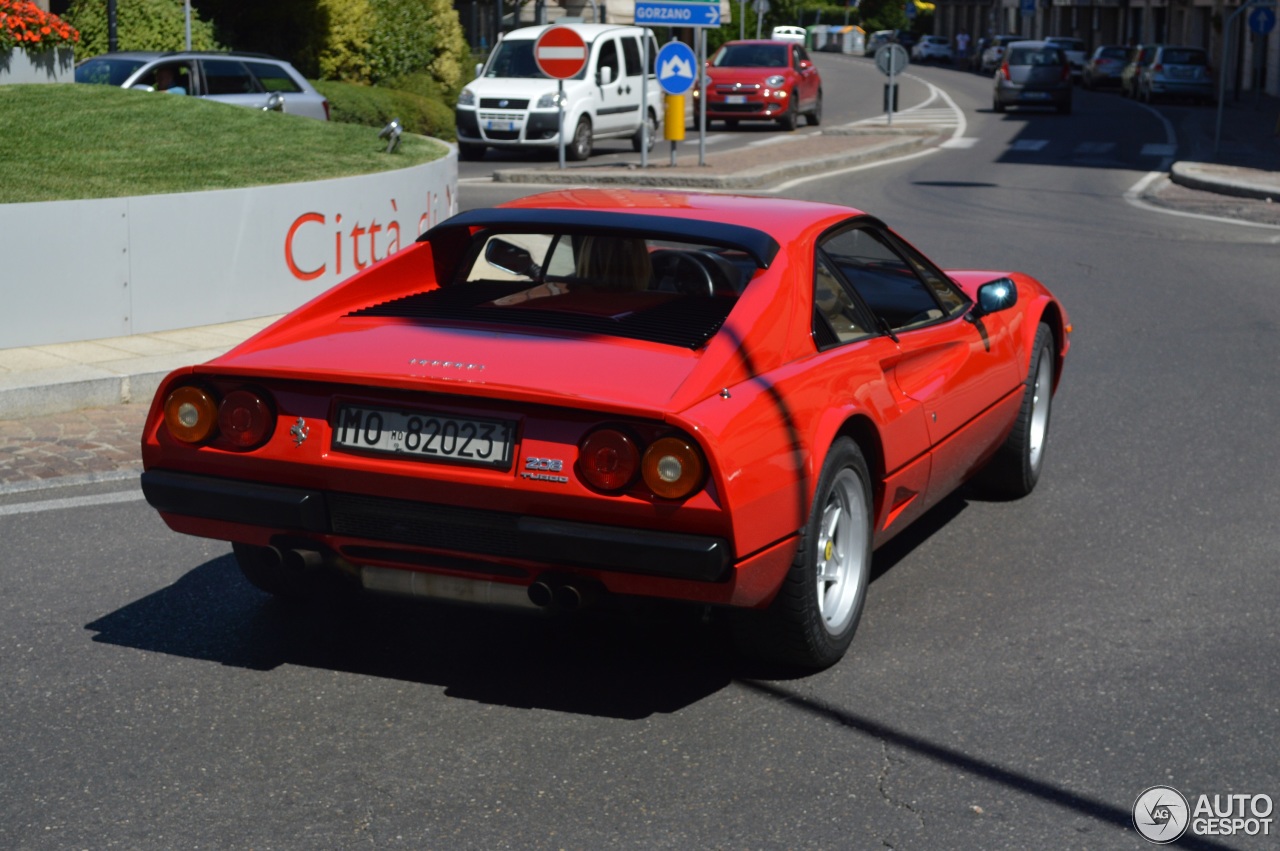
(543, 467)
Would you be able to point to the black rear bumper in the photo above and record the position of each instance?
(301, 511)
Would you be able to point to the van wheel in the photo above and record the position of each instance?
(637, 141)
(470, 153)
(579, 147)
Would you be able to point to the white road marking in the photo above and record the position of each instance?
(71, 502)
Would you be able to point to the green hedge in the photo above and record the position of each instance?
(374, 106)
(140, 25)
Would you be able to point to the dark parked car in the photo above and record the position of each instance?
(1033, 73)
(1104, 66)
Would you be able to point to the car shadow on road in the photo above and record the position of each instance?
(629, 664)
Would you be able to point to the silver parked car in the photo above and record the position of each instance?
(1104, 66)
(1074, 48)
(1175, 71)
(244, 79)
(1033, 73)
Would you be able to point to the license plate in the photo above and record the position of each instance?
(424, 436)
(735, 98)
(500, 125)
(1035, 95)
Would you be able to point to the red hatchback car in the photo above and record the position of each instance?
(594, 395)
(763, 81)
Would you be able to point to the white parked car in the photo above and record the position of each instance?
(935, 48)
(512, 104)
(784, 33)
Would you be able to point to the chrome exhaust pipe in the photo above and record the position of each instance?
(568, 598)
(301, 561)
(541, 595)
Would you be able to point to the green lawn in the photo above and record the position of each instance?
(69, 141)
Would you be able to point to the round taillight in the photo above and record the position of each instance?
(672, 468)
(190, 414)
(244, 419)
(608, 459)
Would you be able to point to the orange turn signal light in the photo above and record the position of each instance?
(672, 467)
(190, 414)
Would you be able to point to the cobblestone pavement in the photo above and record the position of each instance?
(91, 441)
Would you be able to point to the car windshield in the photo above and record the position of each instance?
(514, 58)
(1068, 43)
(110, 72)
(751, 56)
(605, 284)
(1184, 57)
(1034, 56)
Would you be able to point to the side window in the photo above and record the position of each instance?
(951, 297)
(631, 53)
(273, 78)
(608, 57)
(886, 282)
(227, 77)
(834, 306)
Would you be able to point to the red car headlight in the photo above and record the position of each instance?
(245, 419)
(672, 467)
(608, 459)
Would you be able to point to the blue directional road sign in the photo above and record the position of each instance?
(669, 13)
(675, 67)
(1262, 20)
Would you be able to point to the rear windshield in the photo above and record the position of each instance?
(751, 56)
(1184, 57)
(1034, 56)
(1069, 43)
(678, 293)
(1114, 53)
(111, 72)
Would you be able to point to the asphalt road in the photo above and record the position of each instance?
(1023, 670)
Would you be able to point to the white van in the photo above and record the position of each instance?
(512, 104)
(786, 33)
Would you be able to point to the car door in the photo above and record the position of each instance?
(619, 98)
(961, 372)
(810, 81)
(229, 81)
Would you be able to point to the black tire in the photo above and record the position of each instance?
(470, 153)
(579, 147)
(811, 621)
(636, 140)
(997, 106)
(791, 118)
(814, 116)
(1015, 468)
(265, 569)
(1064, 109)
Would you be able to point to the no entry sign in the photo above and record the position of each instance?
(560, 52)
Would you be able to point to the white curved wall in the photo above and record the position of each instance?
(84, 270)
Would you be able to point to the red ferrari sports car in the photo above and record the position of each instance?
(596, 394)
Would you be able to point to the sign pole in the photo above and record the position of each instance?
(644, 101)
(560, 101)
(702, 101)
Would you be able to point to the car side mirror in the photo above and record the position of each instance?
(994, 296)
(479, 69)
(510, 258)
(605, 75)
(275, 103)
(805, 64)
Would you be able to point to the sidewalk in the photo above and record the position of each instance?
(44, 380)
